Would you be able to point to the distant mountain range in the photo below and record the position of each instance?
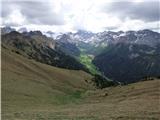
(129, 62)
(121, 56)
(37, 46)
(7, 29)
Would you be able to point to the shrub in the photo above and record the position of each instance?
(102, 82)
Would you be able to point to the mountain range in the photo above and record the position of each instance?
(36, 46)
(120, 56)
(69, 76)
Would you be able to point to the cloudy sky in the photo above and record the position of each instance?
(73, 15)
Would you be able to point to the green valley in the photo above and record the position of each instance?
(87, 61)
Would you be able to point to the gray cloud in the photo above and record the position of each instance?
(35, 12)
(111, 28)
(146, 11)
(64, 15)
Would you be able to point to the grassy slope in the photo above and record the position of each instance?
(138, 101)
(29, 83)
(31, 90)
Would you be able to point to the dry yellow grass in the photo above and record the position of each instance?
(35, 91)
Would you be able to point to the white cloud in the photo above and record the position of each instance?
(71, 15)
(15, 18)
